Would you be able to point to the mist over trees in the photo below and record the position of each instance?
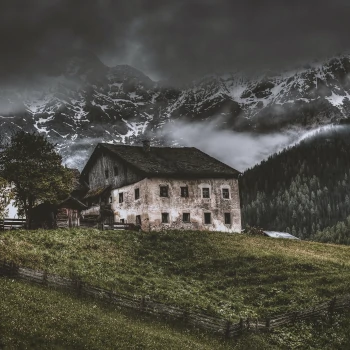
(302, 190)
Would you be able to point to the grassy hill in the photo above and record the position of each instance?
(222, 274)
(32, 317)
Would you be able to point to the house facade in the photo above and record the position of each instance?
(161, 188)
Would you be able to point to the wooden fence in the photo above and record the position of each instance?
(12, 224)
(121, 226)
(197, 318)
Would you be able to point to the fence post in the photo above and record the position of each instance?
(331, 309)
(143, 302)
(295, 315)
(45, 282)
(227, 329)
(12, 269)
(268, 323)
(78, 286)
(256, 324)
(185, 315)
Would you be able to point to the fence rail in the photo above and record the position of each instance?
(197, 318)
(121, 226)
(12, 224)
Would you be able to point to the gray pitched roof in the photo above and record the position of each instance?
(168, 161)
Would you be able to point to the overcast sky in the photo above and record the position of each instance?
(178, 39)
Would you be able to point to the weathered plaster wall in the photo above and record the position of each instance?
(150, 205)
(130, 207)
(97, 176)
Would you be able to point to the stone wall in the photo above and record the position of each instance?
(151, 206)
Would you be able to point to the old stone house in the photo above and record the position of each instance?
(161, 187)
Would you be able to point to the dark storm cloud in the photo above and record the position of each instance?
(178, 39)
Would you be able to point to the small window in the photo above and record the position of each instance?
(138, 219)
(165, 218)
(106, 174)
(121, 198)
(206, 192)
(184, 191)
(227, 218)
(137, 193)
(226, 193)
(110, 200)
(164, 191)
(122, 221)
(116, 171)
(207, 218)
(186, 217)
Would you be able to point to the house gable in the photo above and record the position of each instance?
(106, 169)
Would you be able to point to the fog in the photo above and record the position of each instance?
(239, 150)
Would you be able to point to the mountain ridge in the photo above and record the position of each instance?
(84, 100)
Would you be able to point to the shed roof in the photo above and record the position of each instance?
(167, 161)
(275, 234)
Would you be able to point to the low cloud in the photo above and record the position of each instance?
(240, 150)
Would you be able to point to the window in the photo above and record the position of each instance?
(227, 219)
(206, 192)
(116, 171)
(110, 199)
(137, 193)
(122, 221)
(138, 219)
(226, 193)
(207, 218)
(106, 174)
(164, 191)
(184, 191)
(121, 198)
(165, 218)
(186, 217)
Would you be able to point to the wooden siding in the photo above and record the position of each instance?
(125, 176)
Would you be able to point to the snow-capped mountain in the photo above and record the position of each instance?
(81, 101)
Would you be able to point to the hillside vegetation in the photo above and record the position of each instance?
(228, 275)
(303, 189)
(32, 317)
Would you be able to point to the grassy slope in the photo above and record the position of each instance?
(228, 275)
(32, 317)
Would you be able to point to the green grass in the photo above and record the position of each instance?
(230, 275)
(33, 317)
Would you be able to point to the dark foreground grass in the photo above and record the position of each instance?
(32, 317)
(230, 275)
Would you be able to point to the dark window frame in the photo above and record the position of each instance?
(206, 217)
(204, 190)
(226, 193)
(164, 191)
(227, 216)
(137, 193)
(138, 219)
(184, 191)
(121, 197)
(184, 219)
(106, 174)
(165, 218)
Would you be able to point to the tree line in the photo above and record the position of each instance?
(302, 190)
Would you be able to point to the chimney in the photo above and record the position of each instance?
(146, 145)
